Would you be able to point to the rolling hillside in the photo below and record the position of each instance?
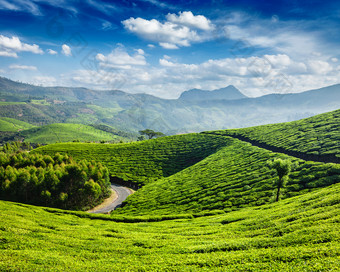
(12, 125)
(296, 234)
(236, 176)
(146, 161)
(66, 133)
(317, 135)
(201, 172)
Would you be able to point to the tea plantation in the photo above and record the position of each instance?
(66, 133)
(234, 177)
(318, 135)
(206, 205)
(145, 161)
(297, 234)
(10, 124)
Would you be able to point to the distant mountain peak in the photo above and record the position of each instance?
(228, 93)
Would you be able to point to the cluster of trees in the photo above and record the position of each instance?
(150, 133)
(11, 147)
(54, 181)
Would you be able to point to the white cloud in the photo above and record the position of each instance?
(32, 6)
(293, 38)
(253, 75)
(103, 7)
(44, 80)
(119, 58)
(106, 25)
(9, 47)
(151, 45)
(8, 54)
(334, 59)
(52, 52)
(140, 51)
(166, 63)
(66, 50)
(177, 31)
(20, 5)
(319, 67)
(168, 45)
(186, 18)
(23, 67)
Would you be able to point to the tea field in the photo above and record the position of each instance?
(318, 135)
(297, 234)
(145, 161)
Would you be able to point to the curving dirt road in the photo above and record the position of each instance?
(122, 193)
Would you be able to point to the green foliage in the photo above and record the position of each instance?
(145, 161)
(66, 133)
(12, 147)
(10, 124)
(55, 181)
(319, 134)
(151, 134)
(296, 234)
(234, 177)
(283, 168)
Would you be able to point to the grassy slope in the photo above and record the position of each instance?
(10, 124)
(296, 234)
(143, 162)
(66, 133)
(319, 134)
(235, 176)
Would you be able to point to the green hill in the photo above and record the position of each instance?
(66, 133)
(145, 161)
(296, 234)
(234, 177)
(319, 135)
(12, 125)
(203, 172)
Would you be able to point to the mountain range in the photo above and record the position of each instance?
(195, 110)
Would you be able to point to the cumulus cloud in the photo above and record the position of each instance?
(22, 67)
(253, 75)
(52, 52)
(66, 50)
(177, 31)
(8, 54)
(319, 67)
(188, 19)
(9, 47)
(119, 58)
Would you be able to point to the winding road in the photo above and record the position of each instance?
(122, 193)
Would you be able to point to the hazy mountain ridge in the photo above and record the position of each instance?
(133, 112)
(227, 93)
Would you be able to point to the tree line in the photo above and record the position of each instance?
(54, 181)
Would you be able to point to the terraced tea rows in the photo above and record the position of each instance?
(296, 234)
(146, 161)
(66, 133)
(10, 124)
(234, 177)
(317, 135)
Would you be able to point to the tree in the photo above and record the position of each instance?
(283, 168)
(150, 133)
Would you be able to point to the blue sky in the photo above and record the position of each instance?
(166, 47)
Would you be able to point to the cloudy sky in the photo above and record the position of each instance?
(166, 47)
